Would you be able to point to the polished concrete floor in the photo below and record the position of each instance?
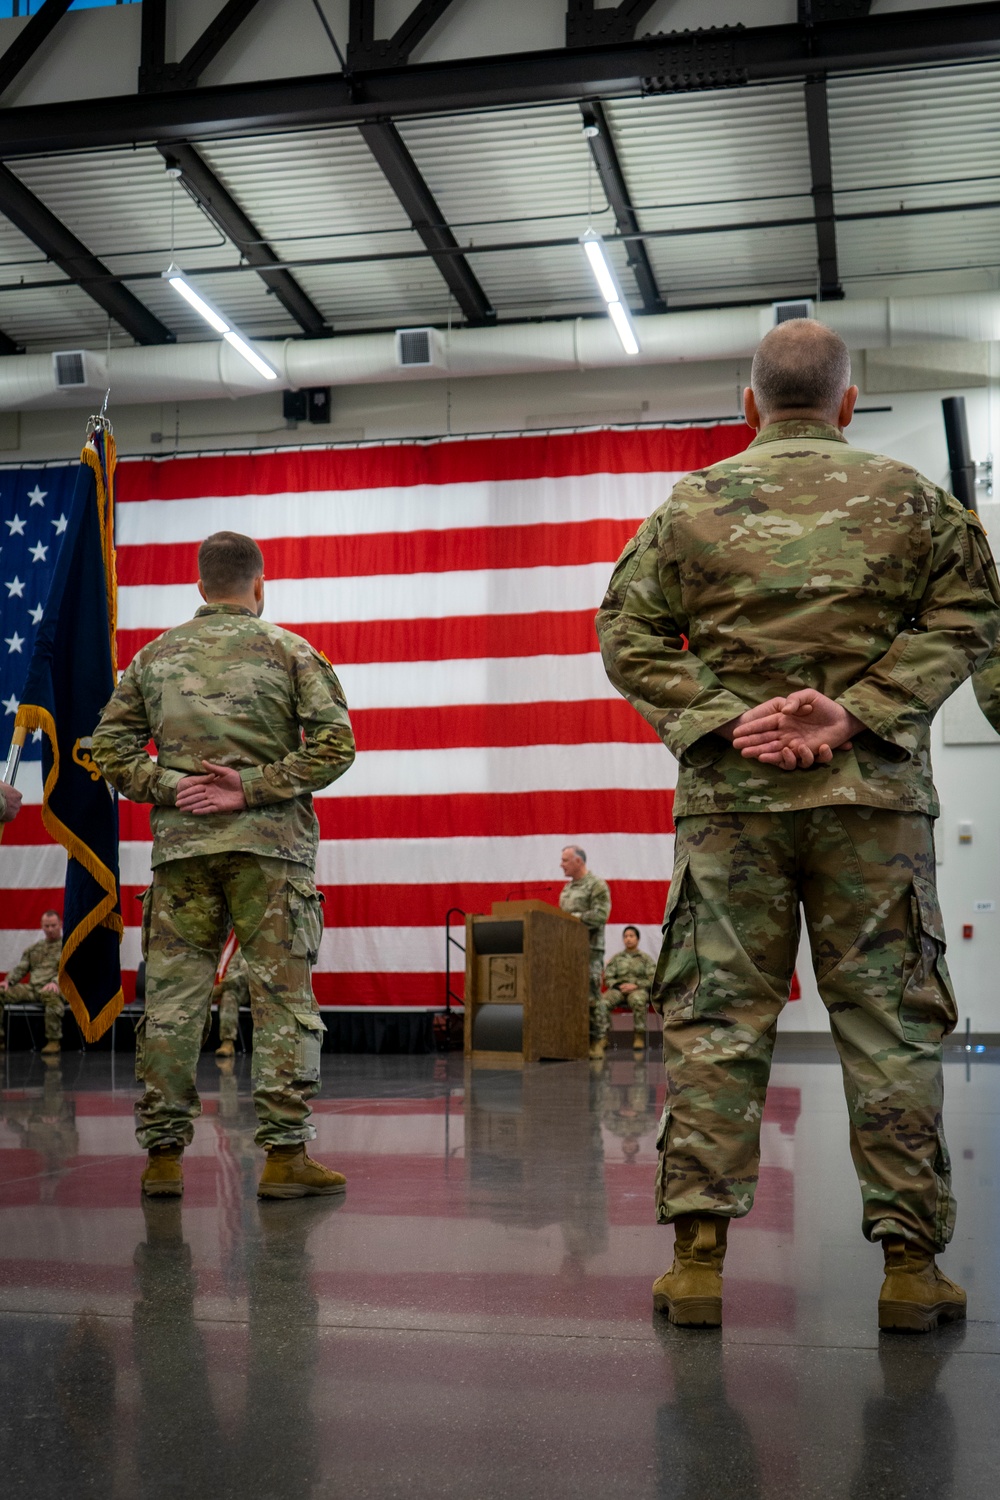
(474, 1319)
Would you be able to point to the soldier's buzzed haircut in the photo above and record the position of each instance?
(577, 851)
(51, 913)
(800, 366)
(228, 562)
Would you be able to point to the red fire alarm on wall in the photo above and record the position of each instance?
(967, 930)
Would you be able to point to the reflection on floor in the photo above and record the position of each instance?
(474, 1320)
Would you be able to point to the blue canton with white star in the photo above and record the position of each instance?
(34, 505)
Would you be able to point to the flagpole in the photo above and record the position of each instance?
(17, 740)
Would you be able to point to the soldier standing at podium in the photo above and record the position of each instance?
(587, 897)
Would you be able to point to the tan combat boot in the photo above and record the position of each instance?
(691, 1291)
(227, 1049)
(290, 1173)
(598, 1048)
(164, 1176)
(915, 1295)
(50, 1048)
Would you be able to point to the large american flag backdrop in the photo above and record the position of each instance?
(453, 584)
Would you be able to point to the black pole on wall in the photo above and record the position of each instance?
(963, 469)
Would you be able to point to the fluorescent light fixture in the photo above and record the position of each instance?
(607, 282)
(250, 355)
(180, 283)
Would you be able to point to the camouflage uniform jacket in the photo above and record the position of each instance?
(589, 899)
(41, 961)
(229, 688)
(801, 563)
(629, 968)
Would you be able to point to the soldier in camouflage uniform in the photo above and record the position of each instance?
(986, 684)
(588, 898)
(832, 599)
(34, 980)
(232, 991)
(248, 720)
(628, 976)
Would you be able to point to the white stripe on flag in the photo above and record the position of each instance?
(431, 861)
(510, 768)
(399, 596)
(500, 679)
(422, 507)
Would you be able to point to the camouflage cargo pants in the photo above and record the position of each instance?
(227, 997)
(29, 994)
(187, 911)
(865, 880)
(637, 1001)
(600, 1005)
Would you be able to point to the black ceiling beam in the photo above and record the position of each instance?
(585, 24)
(224, 211)
(812, 11)
(609, 169)
(33, 219)
(156, 74)
(365, 50)
(27, 42)
(670, 63)
(8, 346)
(386, 145)
(821, 169)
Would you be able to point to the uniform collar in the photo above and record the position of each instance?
(795, 427)
(224, 609)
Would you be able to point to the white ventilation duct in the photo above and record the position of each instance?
(211, 371)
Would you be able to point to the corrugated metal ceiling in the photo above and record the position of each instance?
(694, 161)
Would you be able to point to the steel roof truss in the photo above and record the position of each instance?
(401, 172)
(27, 42)
(156, 74)
(602, 149)
(365, 50)
(818, 126)
(585, 24)
(224, 211)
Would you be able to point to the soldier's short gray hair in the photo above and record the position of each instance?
(228, 560)
(800, 366)
(577, 850)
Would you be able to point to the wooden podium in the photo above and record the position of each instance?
(527, 985)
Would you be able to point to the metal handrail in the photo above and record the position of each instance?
(449, 943)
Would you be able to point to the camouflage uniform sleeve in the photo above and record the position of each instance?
(599, 910)
(119, 746)
(954, 624)
(327, 748)
(648, 969)
(21, 968)
(611, 975)
(986, 685)
(642, 642)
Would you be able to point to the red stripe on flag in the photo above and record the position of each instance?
(587, 722)
(358, 555)
(426, 905)
(472, 815)
(463, 461)
(454, 638)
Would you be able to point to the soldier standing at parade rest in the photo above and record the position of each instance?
(34, 980)
(628, 975)
(588, 898)
(248, 720)
(832, 599)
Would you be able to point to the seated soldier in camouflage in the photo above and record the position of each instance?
(231, 992)
(628, 976)
(248, 721)
(34, 980)
(789, 622)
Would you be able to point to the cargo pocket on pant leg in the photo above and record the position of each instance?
(140, 1050)
(660, 1192)
(928, 1010)
(305, 917)
(308, 1046)
(146, 897)
(675, 984)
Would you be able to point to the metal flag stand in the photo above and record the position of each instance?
(99, 422)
